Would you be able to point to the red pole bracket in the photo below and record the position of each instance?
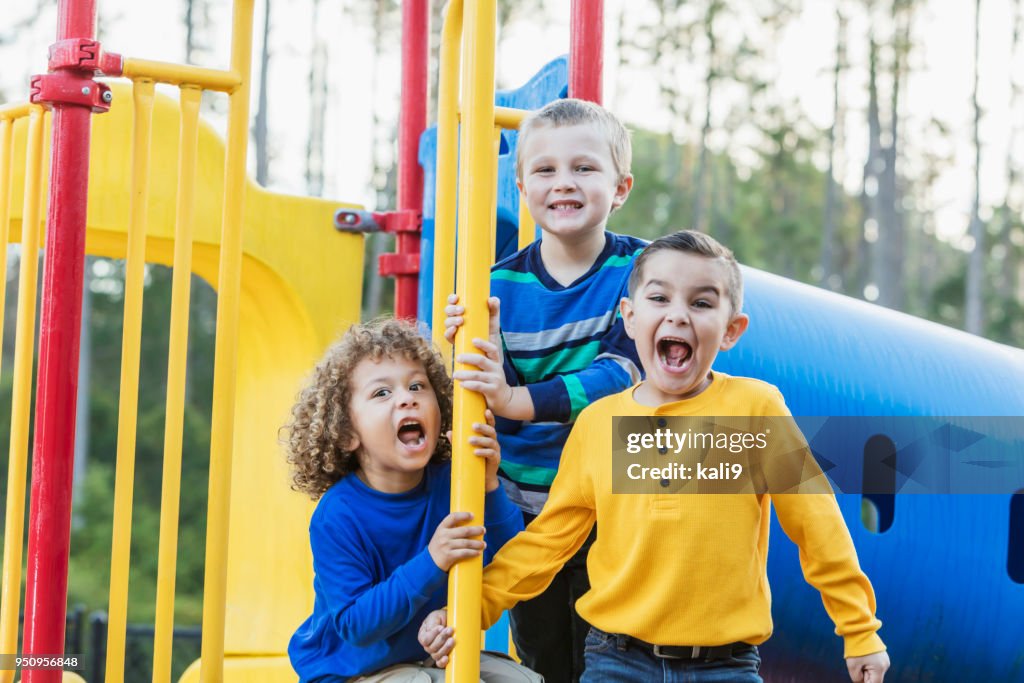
(389, 265)
(402, 221)
(68, 87)
(83, 54)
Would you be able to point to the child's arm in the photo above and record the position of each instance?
(558, 399)
(502, 517)
(365, 609)
(362, 609)
(491, 376)
(525, 566)
(828, 557)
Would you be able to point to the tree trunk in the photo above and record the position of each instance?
(260, 124)
(828, 238)
(974, 315)
(868, 266)
(317, 109)
(699, 220)
(892, 238)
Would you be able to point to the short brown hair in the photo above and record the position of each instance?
(321, 425)
(693, 242)
(573, 112)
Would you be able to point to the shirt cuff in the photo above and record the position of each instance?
(550, 400)
(861, 644)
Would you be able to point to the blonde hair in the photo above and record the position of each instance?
(573, 112)
(321, 425)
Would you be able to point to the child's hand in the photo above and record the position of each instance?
(869, 668)
(452, 542)
(453, 317)
(487, 447)
(454, 320)
(436, 637)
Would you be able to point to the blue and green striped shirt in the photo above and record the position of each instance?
(567, 345)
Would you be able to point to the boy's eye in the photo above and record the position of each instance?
(380, 393)
(416, 386)
(584, 168)
(660, 298)
(544, 169)
(702, 303)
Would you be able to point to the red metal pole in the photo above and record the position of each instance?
(57, 381)
(586, 50)
(411, 124)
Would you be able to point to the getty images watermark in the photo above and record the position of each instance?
(779, 455)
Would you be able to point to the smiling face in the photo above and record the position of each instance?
(570, 180)
(680, 318)
(396, 422)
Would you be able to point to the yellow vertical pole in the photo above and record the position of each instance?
(476, 183)
(127, 413)
(226, 351)
(493, 227)
(447, 172)
(21, 400)
(527, 228)
(176, 369)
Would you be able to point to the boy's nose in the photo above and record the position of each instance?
(564, 180)
(678, 316)
(406, 398)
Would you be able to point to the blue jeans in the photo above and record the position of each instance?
(606, 663)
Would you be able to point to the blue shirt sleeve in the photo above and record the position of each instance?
(616, 367)
(363, 610)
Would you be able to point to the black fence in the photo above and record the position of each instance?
(87, 637)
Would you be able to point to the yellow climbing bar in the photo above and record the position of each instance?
(226, 351)
(127, 420)
(17, 466)
(176, 367)
(447, 173)
(181, 74)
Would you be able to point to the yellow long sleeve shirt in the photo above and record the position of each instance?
(681, 569)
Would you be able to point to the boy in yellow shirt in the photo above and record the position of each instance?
(679, 587)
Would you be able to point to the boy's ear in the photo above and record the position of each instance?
(734, 330)
(519, 184)
(351, 444)
(626, 309)
(622, 191)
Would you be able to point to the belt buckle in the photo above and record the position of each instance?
(660, 654)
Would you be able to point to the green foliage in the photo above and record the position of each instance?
(770, 212)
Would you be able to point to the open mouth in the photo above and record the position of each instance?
(566, 205)
(674, 353)
(410, 432)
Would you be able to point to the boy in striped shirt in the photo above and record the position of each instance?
(562, 342)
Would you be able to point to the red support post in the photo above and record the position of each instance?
(586, 50)
(57, 381)
(412, 122)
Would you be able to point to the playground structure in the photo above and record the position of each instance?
(182, 200)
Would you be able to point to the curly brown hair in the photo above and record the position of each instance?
(321, 424)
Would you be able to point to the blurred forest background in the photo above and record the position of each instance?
(738, 159)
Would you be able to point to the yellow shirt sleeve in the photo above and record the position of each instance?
(828, 557)
(525, 566)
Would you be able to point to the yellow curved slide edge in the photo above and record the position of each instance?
(301, 288)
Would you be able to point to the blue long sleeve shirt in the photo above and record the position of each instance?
(568, 346)
(375, 580)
